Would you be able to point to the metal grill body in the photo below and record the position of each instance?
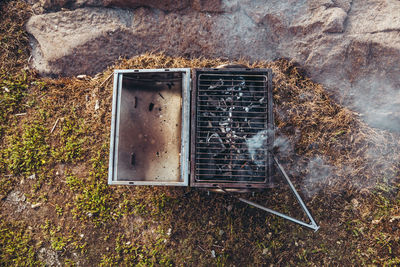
(231, 128)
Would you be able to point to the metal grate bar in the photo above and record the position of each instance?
(232, 114)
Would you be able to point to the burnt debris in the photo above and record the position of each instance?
(151, 106)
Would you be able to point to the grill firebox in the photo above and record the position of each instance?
(232, 128)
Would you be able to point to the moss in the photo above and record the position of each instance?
(93, 199)
(28, 152)
(12, 92)
(16, 245)
(72, 138)
(129, 254)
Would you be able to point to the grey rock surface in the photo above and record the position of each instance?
(49, 257)
(351, 47)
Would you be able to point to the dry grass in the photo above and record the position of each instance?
(14, 41)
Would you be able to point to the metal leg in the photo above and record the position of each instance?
(313, 225)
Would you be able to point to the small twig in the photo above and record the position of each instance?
(29, 59)
(54, 126)
(130, 190)
(201, 248)
(109, 76)
(217, 246)
(20, 114)
(40, 97)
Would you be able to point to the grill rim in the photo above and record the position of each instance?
(268, 181)
(185, 128)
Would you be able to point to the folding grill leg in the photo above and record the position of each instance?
(313, 225)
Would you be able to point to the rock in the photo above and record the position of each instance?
(165, 5)
(97, 105)
(376, 221)
(351, 47)
(81, 76)
(36, 205)
(49, 257)
(56, 5)
(355, 203)
(213, 254)
(207, 5)
(394, 218)
(16, 196)
(334, 22)
(32, 177)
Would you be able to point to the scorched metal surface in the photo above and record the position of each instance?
(232, 128)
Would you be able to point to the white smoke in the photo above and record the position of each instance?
(255, 144)
(378, 102)
(319, 175)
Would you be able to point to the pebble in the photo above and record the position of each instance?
(355, 203)
(81, 76)
(229, 208)
(97, 105)
(394, 218)
(33, 176)
(213, 253)
(37, 205)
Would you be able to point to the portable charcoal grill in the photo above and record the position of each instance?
(217, 134)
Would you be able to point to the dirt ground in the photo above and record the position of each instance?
(57, 209)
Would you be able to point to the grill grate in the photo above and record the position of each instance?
(232, 118)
